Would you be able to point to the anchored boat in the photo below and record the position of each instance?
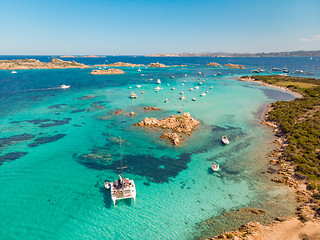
(121, 188)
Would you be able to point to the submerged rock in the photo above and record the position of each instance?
(107, 72)
(152, 109)
(174, 138)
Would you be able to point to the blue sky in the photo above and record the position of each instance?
(143, 27)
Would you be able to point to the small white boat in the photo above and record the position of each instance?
(225, 140)
(211, 87)
(199, 73)
(142, 92)
(139, 70)
(158, 81)
(157, 88)
(14, 72)
(167, 100)
(196, 87)
(172, 77)
(150, 79)
(173, 88)
(138, 86)
(190, 89)
(133, 95)
(142, 74)
(186, 75)
(168, 84)
(194, 99)
(179, 111)
(182, 84)
(183, 97)
(64, 86)
(184, 81)
(215, 167)
(207, 91)
(203, 94)
(181, 92)
(199, 83)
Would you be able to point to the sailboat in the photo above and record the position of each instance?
(121, 188)
(139, 70)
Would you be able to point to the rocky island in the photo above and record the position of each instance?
(36, 64)
(235, 66)
(177, 124)
(107, 72)
(118, 64)
(158, 65)
(213, 64)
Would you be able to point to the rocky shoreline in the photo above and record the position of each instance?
(24, 64)
(235, 66)
(178, 124)
(307, 222)
(157, 65)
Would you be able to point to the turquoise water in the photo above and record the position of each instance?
(50, 189)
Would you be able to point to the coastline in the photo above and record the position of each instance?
(305, 224)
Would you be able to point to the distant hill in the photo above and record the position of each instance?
(299, 53)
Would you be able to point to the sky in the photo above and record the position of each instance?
(139, 27)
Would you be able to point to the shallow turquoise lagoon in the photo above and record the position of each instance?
(51, 189)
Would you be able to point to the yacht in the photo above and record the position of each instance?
(225, 140)
(121, 188)
(64, 86)
(215, 167)
(276, 69)
(14, 72)
(133, 95)
(299, 71)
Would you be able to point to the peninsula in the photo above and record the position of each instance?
(55, 63)
(107, 72)
(178, 124)
(297, 125)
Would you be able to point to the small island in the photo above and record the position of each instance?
(118, 64)
(107, 72)
(178, 124)
(36, 64)
(157, 65)
(213, 64)
(235, 66)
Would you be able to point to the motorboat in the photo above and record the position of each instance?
(133, 95)
(186, 75)
(190, 89)
(167, 100)
(225, 140)
(196, 87)
(173, 88)
(157, 88)
(179, 111)
(215, 167)
(122, 188)
(181, 92)
(158, 81)
(276, 69)
(13, 72)
(211, 87)
(182, 97)
(199, 73)
(138, 86)
(194, 99)
(200, 83)
(64, 86)
(182, 84)
(203, 94)
(219, 73)
(172, 77)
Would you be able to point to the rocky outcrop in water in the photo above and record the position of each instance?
(178, 124)
(235, 66)
(158, 65)
(118, 64)
(26, 63)
(152, 109)
(213, 64)
(107, 72)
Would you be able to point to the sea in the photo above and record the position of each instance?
(59, 146)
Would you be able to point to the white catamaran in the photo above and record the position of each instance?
(121, 188)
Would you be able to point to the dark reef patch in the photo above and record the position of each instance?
(156, 170)
(12, 156)
(44, 123)
(57, 106)
(77, 111)
(16, 138)
(43, 140)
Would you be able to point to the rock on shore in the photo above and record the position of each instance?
(236, 66)
(26, 63)
(107, 72)
(118, 64)
(158, 65)
(177, 124)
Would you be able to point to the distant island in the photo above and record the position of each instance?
(118, 64)
(36, 64)
(107, 72)
(299, 53)
(84, 56)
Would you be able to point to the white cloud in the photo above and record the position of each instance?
(313, 38)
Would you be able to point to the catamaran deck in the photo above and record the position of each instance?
(123, 189)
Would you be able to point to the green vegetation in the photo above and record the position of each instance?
(300, 121)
